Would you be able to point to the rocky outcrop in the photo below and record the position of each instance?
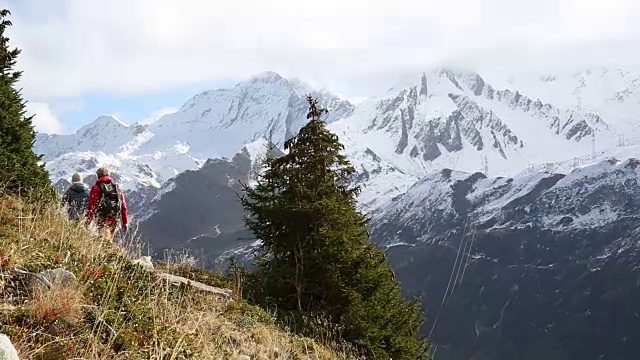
(146, 263)
(179, 280)
(46, 279)
(7, 350)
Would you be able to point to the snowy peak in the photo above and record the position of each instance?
(568, 123)
(455, 118)
(218, 123)
(105, 134)
(103, 122)
(612, 93)
(269, 77)
(212, 124)
(440, 118)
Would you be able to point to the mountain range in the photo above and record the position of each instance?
(440, 118)
(511, 203)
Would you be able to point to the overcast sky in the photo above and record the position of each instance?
(138, 59)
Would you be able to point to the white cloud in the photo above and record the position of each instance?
(127, 47)
(155, 115)
(44, 120)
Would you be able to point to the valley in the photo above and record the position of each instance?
(512, 207)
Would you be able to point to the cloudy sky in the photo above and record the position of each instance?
(139, 59)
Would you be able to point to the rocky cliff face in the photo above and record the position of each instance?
(544, 266)
(199, 211)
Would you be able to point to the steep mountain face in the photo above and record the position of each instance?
(441, 118)
(213, 124)
(540, 266)
(218, 123)
(613, 93)
(199, 211)
(453, 119)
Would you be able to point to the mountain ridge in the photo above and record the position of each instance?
(441, 118)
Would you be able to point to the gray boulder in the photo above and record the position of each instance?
(44, 280)
(7, 350)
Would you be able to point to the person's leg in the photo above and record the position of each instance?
(112, 231)
(104, 230)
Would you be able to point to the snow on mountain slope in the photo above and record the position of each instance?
(614, 93)
(213, 124)
(106, 134)
(587, 197)
(218, 123)
(442, 118)
(454, 119)
(131, 172)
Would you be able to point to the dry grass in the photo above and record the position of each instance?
(120, 311)
(64, 303)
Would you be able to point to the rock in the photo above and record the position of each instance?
(59, 276)
(145, 262)
(177, 280)
(7, 350)
(243, 357)
(44, 280)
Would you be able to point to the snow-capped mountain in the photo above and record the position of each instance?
(441, 118)
(447, 119)
(105, 134)
(535, 266)
(213, 124)
(530, 258)
(218, 123)
(613, 93)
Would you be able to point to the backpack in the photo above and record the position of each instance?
(76, 202)
(109, 204)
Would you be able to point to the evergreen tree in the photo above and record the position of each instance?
(316, 259)
(20, 172)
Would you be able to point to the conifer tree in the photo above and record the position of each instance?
(316, 259)
(19, 169)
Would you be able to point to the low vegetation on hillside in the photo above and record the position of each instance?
(117, 309)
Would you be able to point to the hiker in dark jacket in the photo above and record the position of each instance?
(107, 203)
(76, 198)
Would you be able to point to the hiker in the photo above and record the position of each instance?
(76, 198)
(107, 203)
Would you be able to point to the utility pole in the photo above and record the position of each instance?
(576, 162)
(485, 166)
(580, 104)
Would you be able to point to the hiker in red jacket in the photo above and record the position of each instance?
(106, 203)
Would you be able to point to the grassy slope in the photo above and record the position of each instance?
(118, 310)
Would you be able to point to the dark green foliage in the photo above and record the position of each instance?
(316, 260)
(20, 170)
